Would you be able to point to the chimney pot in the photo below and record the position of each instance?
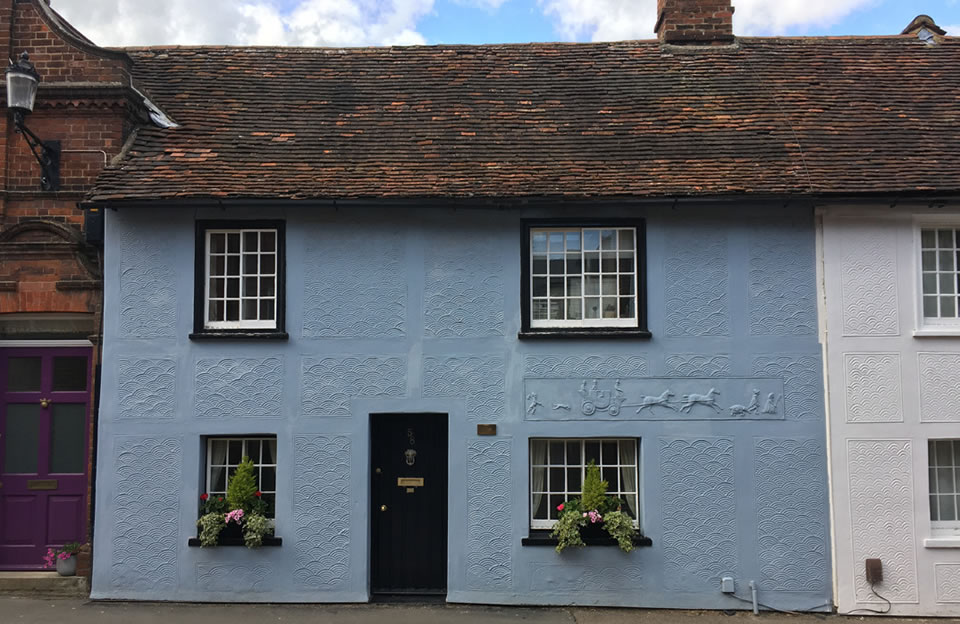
(695, 22)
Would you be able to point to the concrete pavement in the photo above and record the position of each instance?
(15, 610)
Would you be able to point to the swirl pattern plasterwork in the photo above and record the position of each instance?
(148, 288)
(696, 284)
(328, 384)
(353, 286)
(868, 282)
(489, 561)
(803, 398)
(881, 513)
(242, 387)
(948, 581)
(584, 366)
(321, 510)
(463, 292)
(699, 512)
(234, 579)
(690, 365)
(783, 280)
(480, 380)
(146, 502)
(147, 389)
(872, 387)
(589, 579)
(939, 387)
(792, 514)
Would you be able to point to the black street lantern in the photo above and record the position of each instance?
(22, 82)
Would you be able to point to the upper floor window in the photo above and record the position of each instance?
(583, 276)
(940, 275)
(240, 276)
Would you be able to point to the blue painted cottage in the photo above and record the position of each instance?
(422, 288)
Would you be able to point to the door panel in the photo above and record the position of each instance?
(44, 451)
(409, 503)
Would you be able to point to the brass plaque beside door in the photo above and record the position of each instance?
(42, 484)
(410, 481)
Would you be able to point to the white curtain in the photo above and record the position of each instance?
(538, 457)
(218, 455)
(628, 472)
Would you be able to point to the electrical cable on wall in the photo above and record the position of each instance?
(811, 610)
(873, 591)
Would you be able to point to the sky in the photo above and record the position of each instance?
(418, 22)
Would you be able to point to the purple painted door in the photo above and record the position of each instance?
(44, 446)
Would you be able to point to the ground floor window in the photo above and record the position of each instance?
(944, 462)
(557, 468)
(225, 454)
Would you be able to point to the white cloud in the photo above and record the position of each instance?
(490, 5)
(611, 20)
(602, 20)
(252, 22)
(952, 30)
(775, 17)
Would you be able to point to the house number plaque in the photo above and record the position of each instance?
(409, 481)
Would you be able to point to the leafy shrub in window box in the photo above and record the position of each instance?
(243, 508)
(594, 509)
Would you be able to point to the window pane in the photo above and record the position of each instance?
(573, 452)
(270, 451)
(236, 452)
(627, 307)
(591, 449)
(268, 241)
(573, 286)
(944, 456)
(250, 241)
(539, 475)
(574, 309)
(218, 287)
(626, 285)
(218, 480)
(268, 264)
(540, 242)
(233, 311)
(250, 266)
(250, 309)
(948, 307)
(556, 309)
(946, 261)
(610, 307)
(608, 239)
(556, 264)
(930, 283)
(934, 508)
(626, 239)
(23, 374)
(610, 475)
(250, 287)
(267, 307)
(609, 286)
(929, 260)
(574, 264)
(218, 243)
(948, 509)
(555, 499)
(608, 262)
(67, 435)
(556, 480)
(945, 238)
(556, 452)
(947, 283)
(556, 286)
(217, 310)
(591, 240)
(556, 241)
(930, 306)
(218, 265)
(268, 479)
(540, 308)
(573, 479)
(233, 242)
(573, 241)
(626, 263)
(268, 287)
(945, 482)
(539, 287)
(540, 513)
(233, 265)
(69, 373)
(539, 264)
(591, 307)
(22, 438)
(591, 285)
(609, 453)
(591, 263)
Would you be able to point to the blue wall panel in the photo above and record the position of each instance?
(406, 310)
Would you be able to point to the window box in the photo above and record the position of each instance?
(583, 279)
(542, 538)
(239, 290)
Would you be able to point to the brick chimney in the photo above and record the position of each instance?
(695, 22)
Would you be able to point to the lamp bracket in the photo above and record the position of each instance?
(47, 154)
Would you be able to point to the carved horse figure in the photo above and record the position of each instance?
(689, 400)
(649, 402)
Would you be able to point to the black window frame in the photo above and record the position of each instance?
(200, 331)
(527, 331)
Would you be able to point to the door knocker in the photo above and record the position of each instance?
(411, 456)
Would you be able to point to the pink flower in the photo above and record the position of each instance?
(595, 516)
(236, 516)
(560, 507)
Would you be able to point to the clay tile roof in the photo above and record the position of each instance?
(779, 116)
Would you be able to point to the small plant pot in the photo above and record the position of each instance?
(67, 567)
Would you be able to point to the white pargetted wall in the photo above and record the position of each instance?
(892, 387)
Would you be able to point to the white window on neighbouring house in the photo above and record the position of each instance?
(940, 275)
(583, 277)
(558, 466)
(944, 460)
(225, 454)
(241, 279)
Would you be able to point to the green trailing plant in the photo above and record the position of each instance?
(243, 505)
(594, 507)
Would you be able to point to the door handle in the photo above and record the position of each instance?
(383, 507)
(44, 403)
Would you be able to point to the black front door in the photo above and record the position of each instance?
(408, 454)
